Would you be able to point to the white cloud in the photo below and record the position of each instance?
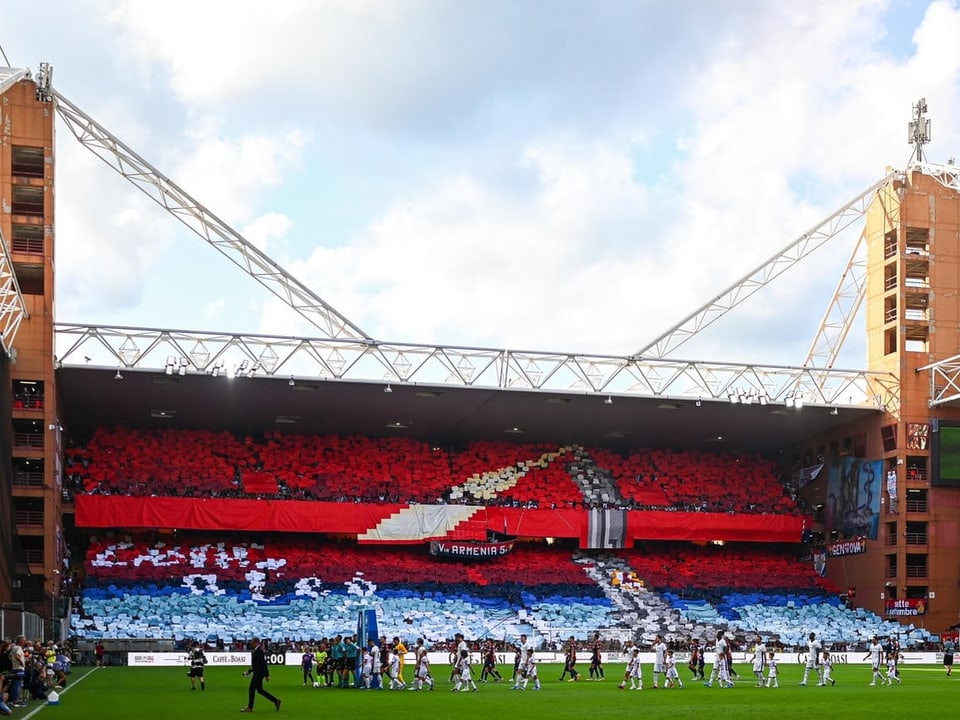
(486, 173)
(264, 231)
(234, 173)
(106, 243)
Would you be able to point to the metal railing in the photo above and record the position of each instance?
(28, 517)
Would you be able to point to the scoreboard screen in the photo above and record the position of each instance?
(945, 454)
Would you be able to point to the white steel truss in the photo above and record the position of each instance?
(183, 352)
(746, 286)
(13, 309)
(944, 381)
(204, 223)
(843, 308)
(10, 77)
(946, 175)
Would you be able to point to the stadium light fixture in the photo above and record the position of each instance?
(118, 376)
(291, 383)
(608, 400)
(388, 389)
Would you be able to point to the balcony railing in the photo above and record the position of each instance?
(916, 571)
(28, 517)
(27, 478)
(917, 474)
(916, 538)
(917, 506)
(27, 441)
(27, 246)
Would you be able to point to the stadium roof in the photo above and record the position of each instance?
(94, 397)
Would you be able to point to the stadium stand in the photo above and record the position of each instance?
(189, 463)
(223, 587)
(304, 588)
(690, 480)
(139, 588)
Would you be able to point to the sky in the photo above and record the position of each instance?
(542, 175)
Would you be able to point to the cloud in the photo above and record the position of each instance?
(266, 229)
(428, 68)
(106, 243)
(490, 173)
(234, 173)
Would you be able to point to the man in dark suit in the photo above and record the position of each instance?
(258, 672)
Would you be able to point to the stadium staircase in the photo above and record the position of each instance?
(597, 485)
(642, 614)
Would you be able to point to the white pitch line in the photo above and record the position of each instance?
(40, 707)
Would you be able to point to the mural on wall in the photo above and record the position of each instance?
(853, 496)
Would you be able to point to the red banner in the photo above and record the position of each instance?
(306, 516)
(906, 608)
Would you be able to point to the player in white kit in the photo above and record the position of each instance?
(633, 672)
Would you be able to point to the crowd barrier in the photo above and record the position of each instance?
(242, 659)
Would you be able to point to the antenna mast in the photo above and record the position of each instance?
(918, 132)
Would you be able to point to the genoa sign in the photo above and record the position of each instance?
(847, 547)
(906, 608)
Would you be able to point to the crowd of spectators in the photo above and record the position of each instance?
(189, 463)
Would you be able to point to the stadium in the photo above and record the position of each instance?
(166, 485)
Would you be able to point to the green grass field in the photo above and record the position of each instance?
(116, 693)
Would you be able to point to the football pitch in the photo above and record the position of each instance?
(122, 693)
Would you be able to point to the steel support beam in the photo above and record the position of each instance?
(204, 223)
(749, 284)
(184, 352)
(13, 309)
